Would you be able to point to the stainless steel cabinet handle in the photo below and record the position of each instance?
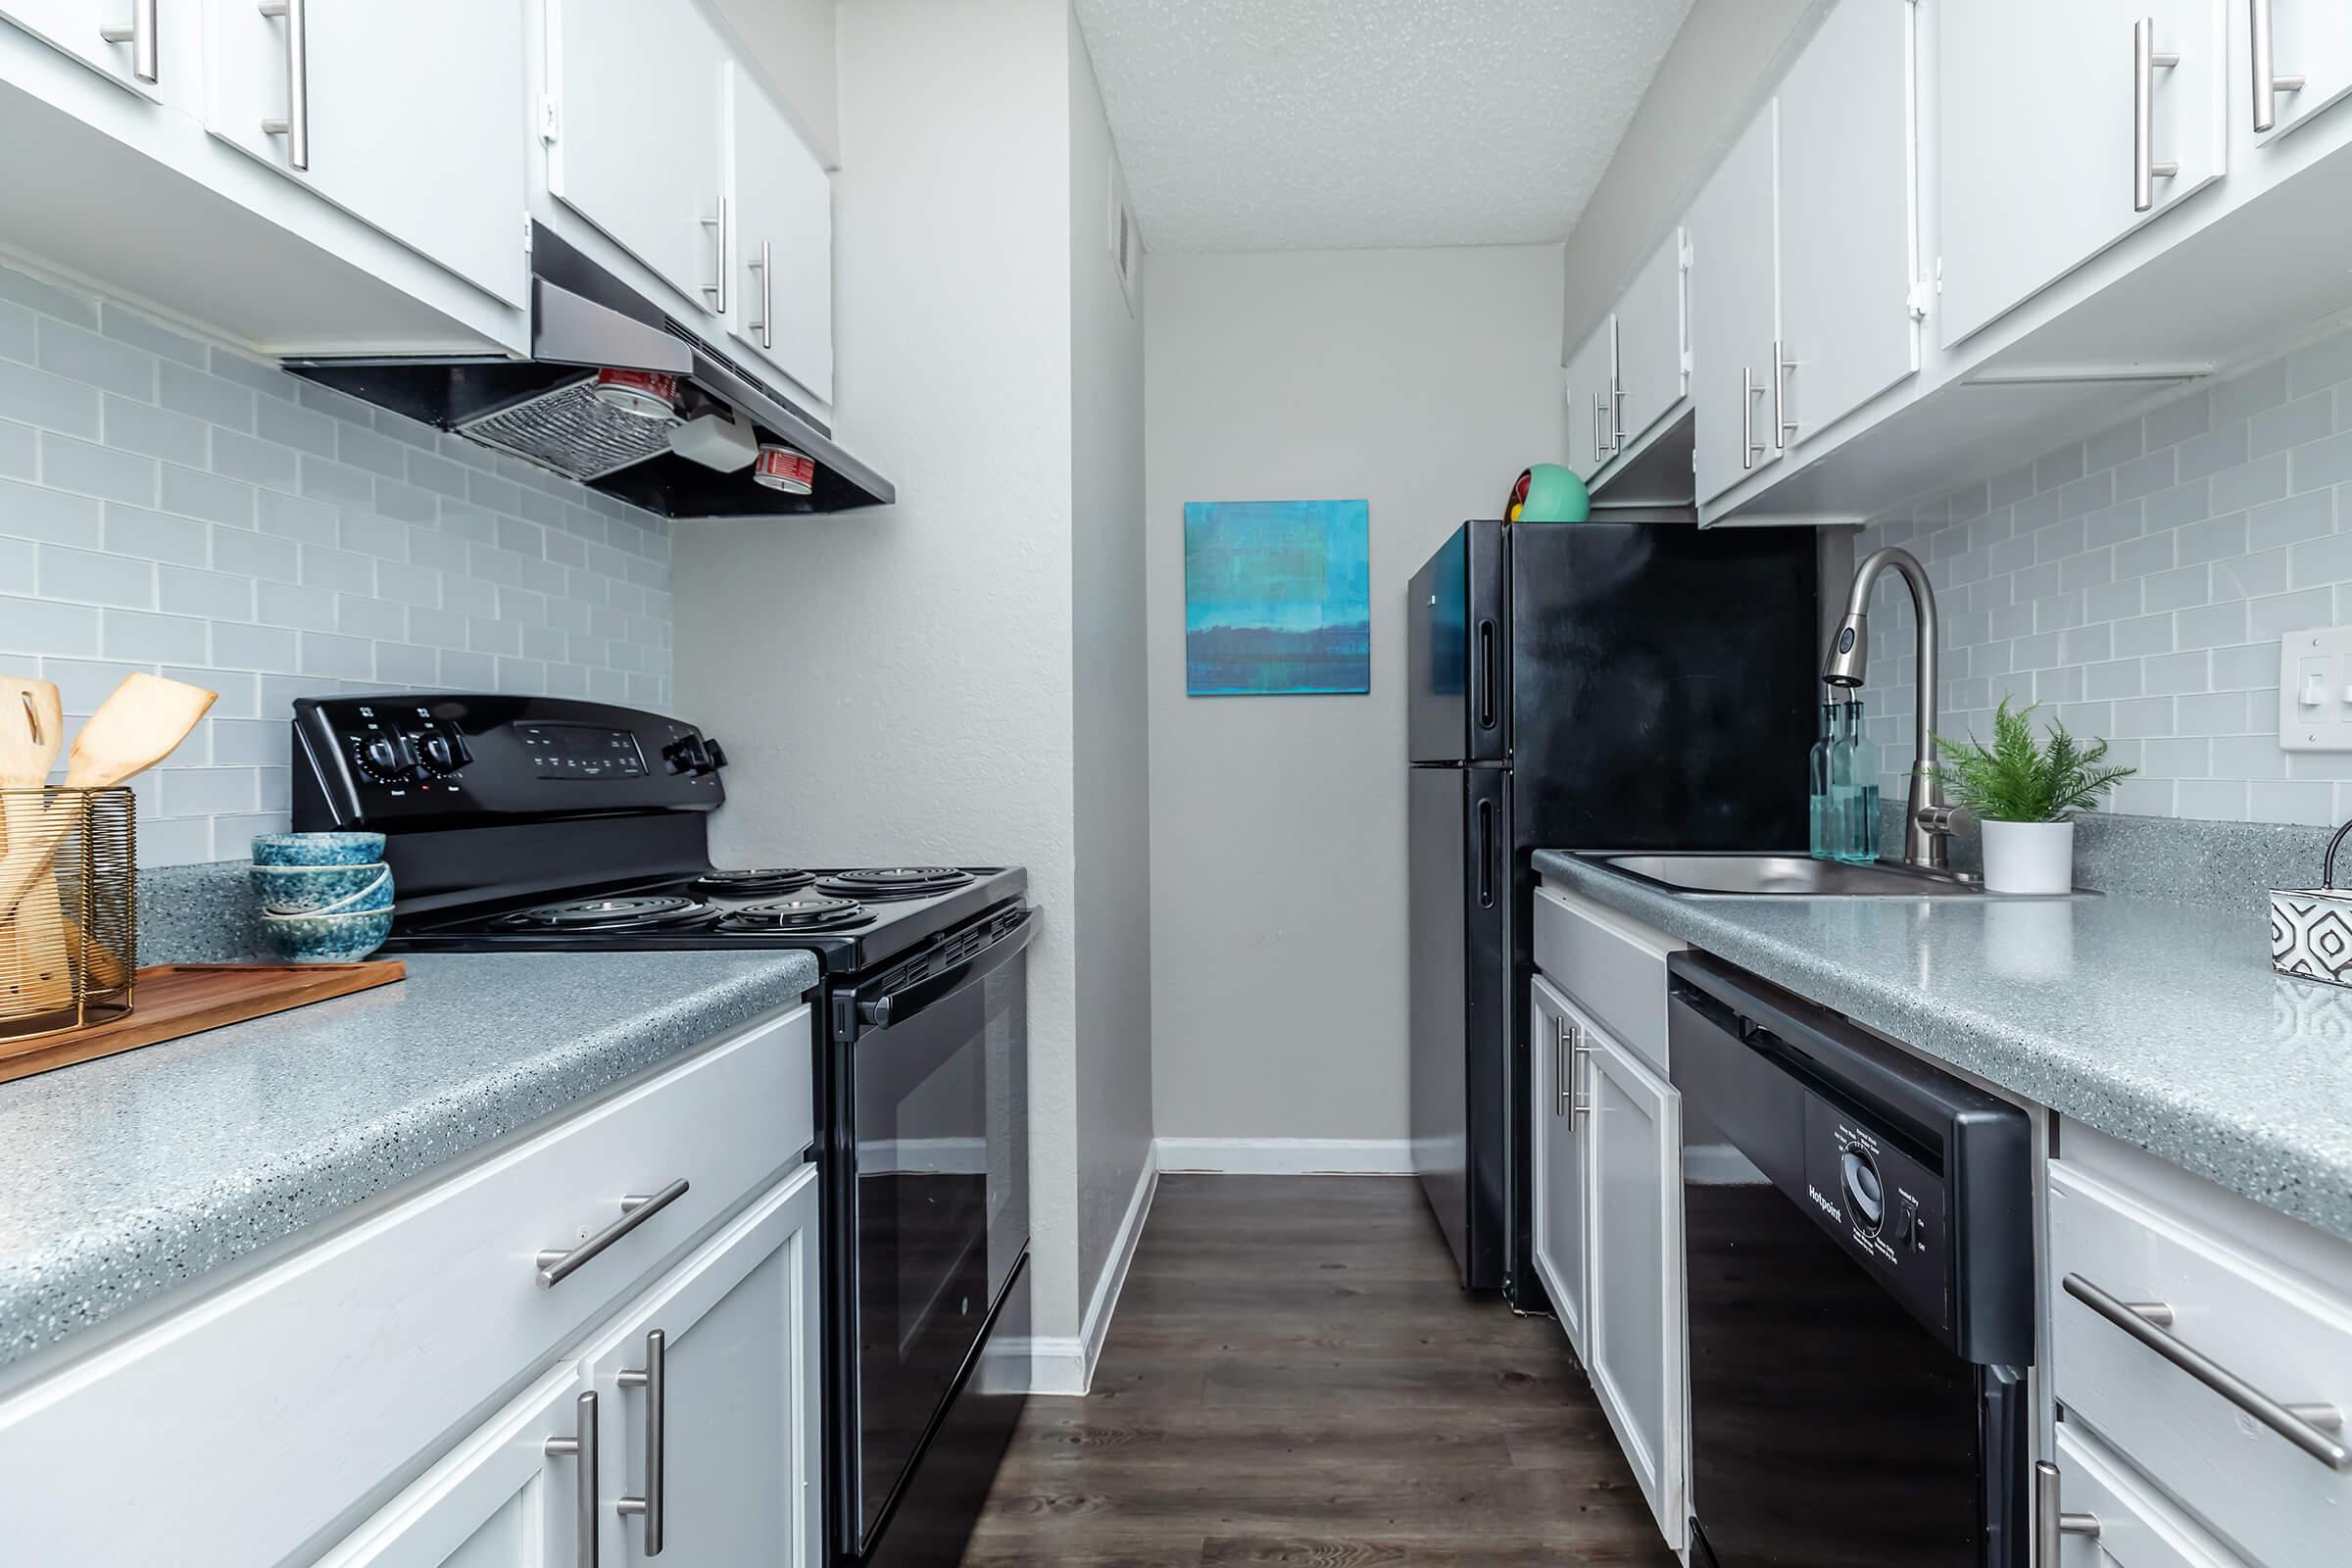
(2267, 83)
(718, 290)
(558, 1264)
(1579, 1050)
(2145, 61)
(1559, 1066)
(765, 326)
(2309, 1427)
(296, 126)
(1616, 401)
(140, 35)
(1750, 449)
(653, 1379)
(2048, 1522)
(582, 1444)
(1782, 365)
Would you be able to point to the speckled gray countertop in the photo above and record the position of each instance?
(2159, 1023)
(128, 1177)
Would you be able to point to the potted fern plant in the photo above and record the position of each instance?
(2026, 793)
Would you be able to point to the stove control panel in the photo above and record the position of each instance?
(434, 760)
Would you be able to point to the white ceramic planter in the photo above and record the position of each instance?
(2029, 856)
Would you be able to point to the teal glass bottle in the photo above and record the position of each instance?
(1825, 822)
(1854, 788)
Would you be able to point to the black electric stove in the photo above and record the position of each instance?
(546, 824)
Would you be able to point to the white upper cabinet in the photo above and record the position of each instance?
(2308, 67)
(2063, 127)
(410, 117)
(1650, 319)
(1849, 215)
(782, 235)
(1590, 375)
(142, 45)
(1735, 312)
(638, 109)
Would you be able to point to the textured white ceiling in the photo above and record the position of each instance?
(1294, 125)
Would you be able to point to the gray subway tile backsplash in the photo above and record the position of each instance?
(2138, 584)
(177, 507)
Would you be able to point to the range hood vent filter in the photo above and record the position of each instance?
(572, 430)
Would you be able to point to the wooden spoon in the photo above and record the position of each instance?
(35, 968)
(134, 729)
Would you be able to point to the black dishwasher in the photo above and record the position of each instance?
(1860, 1261)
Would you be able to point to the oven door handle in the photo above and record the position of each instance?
(897, 1007)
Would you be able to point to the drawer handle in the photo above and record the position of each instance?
(2147, 60)
(2309, 1427)
(2267, 83)
(140, 35)
(582, 1446)
(296, 126)
(653, 1379)
(2050, 1523)
(557, 1264)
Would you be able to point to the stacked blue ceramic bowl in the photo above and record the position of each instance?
(326, 898)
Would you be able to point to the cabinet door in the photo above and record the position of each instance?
(1848, 216)
(499, 1500)
(1633, 1203)
(783, 239)
(1650, 343)
(1735, 296)
(1589, 375)
(412, 117)
(2039, 159)
(78, 28)
(1556, 1219)
(639, 101)
(2309, 38)
(736, 1401)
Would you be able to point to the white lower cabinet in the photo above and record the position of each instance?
(1556, 1177)
(734, 1408)
(1607, 1235)
(699, 1408)
(1633, 1240)
(500, 1499)
(271, 1416)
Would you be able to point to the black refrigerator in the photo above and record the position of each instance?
(1575, 686)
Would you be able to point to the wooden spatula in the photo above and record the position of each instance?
(134, 729)
(34, 966)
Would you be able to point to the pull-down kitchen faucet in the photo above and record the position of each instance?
(1927, 824)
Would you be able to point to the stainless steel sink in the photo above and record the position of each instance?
(1787, 876)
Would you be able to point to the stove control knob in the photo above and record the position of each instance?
(439, 752)
(693, 755)
(380, 759)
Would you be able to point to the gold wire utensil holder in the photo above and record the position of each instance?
(69, 908)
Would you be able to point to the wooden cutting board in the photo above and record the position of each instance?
(172, 1000)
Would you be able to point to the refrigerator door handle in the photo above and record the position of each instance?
(1485, 855)
(1485, 655)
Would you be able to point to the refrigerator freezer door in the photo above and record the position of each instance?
(1459, 892)
(1457, 698)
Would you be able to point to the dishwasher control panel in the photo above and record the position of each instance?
(1881, 1205)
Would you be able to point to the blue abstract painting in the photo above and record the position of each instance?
(1277, 598)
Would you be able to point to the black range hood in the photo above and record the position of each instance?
(544, 409)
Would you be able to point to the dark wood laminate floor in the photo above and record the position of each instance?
(1294, 1376)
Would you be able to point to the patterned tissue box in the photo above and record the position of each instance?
(2311, 934)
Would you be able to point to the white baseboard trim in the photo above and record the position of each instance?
(1288, 1157)
(1063, 1363)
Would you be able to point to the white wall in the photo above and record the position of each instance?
(1423, 381)
(906, 681)
(1112, 928)
(1706, 89)
(792, 43)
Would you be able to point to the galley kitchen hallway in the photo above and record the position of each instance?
(1295, 1376)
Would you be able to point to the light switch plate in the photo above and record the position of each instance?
(2314, 690)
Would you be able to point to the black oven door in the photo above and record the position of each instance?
(937, 1097)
